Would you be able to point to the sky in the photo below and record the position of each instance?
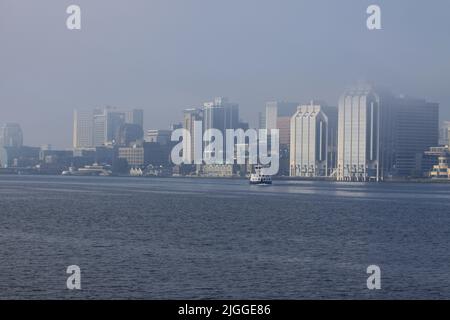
(167, 55)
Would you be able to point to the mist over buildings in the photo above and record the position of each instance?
(165, 56)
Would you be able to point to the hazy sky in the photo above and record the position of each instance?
(166, 55)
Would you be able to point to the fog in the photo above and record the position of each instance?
(167, 55)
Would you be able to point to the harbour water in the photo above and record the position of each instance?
(180, 238)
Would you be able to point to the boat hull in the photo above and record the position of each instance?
(261, 182)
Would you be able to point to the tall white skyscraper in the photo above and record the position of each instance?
(313, 140)
(82, 129)
(359, 154)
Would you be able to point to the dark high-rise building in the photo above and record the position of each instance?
(414, 129)
(114, 119)
(221, 115)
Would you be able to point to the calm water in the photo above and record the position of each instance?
(187, 238)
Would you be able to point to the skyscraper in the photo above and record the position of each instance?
(11, 135)
(414, 125)
(114, 119)
(135, 116)
(444, 133)
(99, 137)
(83, 125)
(190, 116)
(313, 141)
(278, 116)
(221, 115)
(100, 127)
(359, 135)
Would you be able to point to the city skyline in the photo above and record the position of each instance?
(88, 113)
(170, 63)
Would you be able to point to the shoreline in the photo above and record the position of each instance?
(275, 178)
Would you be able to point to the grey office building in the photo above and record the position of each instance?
(11, 135)
(221, 115)
(414, 127)
(135, 116)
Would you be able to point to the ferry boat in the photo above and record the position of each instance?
(94, 170)
(259, 177)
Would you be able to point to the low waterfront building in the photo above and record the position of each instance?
(162, 137)
(19, 156)
(218, 170)
(441, 170)
(133, 155)
(429, 159)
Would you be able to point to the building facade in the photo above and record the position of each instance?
(413, 129)
(359, 136)
(190, 117)
(381, 135)
(278, 116)
(134, 155)
(444, 133)
(135, 116)
(313, 141)
(83, 126)
(11, 135)
(162, 137)
(101, 126)
(221, 115)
